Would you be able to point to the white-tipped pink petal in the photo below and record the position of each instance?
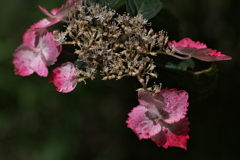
(188, 43)
(174, 135)
(49, 48)
(39, 65)
(176, 104)
(44, 23)
(198, 50)
(23, 57)
(65, 77)
(69, 6)
(29, 38)
(146, 99)
(143, 126)
(212, 55)
(191, 51)
(32, 37)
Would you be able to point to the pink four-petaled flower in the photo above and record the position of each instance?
(38, 51)
(161, 117)
(198, 50)
(65, 77)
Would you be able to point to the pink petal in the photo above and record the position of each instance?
(197, 50)
(191, 51)
(69, 6)
(39, 65)
(54, 11)
(146, 99)
(31, 37)
(176, 104)
(64, 77)
(23, 57)
(47, 22)
(49, 48)
(70, 1)
(45, 11)
(173, 135)
(212, 55)
(56, 15)
(187, 42)
(143, 126)
(44, 23)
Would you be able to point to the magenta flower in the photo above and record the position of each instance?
(65, 77)
(38, 51)
(161, 118)
(56, 14)
(198, 50)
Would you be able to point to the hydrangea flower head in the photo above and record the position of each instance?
(198, 50)
(161, 117)
(38, 51)
(65, 77)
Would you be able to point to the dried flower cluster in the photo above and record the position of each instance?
(112, 45)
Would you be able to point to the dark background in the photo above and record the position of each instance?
(38, 123)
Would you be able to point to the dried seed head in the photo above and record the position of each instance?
(111, 44)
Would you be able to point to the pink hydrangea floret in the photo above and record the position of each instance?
(65, 77)
(188, 43)
(56, 15)
(198, 50)
(38, 51)
(161, 117)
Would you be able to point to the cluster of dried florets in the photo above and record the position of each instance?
(112, 45)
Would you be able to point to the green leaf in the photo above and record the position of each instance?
(119, 4)
(148, 8)
(182, 66)
(109, 3)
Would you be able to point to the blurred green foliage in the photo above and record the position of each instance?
(111, 3)
(38, 123)
(148, 10)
